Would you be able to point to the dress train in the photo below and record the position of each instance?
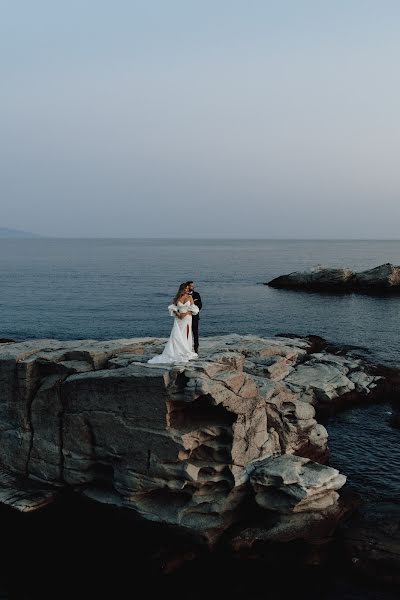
(179, 347)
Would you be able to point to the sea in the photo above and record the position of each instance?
(120, 288)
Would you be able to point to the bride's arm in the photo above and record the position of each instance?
(175, 312)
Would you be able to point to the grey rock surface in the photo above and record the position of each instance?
(384, 277)
(176, 444)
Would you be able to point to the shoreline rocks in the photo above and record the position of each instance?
(185, 446)
(381, 279)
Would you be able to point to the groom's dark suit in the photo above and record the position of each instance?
(195, 320)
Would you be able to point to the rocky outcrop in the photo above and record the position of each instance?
(292, 484)
(384, 278)
(182, 445)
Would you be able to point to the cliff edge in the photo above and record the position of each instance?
(182, 445)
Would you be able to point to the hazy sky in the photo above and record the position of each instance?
(197, 118)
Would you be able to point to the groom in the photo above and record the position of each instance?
(195, 318)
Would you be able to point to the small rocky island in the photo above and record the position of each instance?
(197, 447)
(384, 278)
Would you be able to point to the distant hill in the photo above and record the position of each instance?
(16, 233)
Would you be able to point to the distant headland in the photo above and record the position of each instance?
(17, 233)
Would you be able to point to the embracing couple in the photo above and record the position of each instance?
(183, 342)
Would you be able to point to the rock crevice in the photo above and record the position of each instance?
(182, 445)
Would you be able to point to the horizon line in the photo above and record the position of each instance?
(198, 237)
(39, 237)
(256, 237)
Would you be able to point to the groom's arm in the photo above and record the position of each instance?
(197, 300)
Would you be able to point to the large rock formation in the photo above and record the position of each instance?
(182, 445)
(385, 278)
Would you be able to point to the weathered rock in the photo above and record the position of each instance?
(314, 527)
(25, 495)
(317, 279)
(172, 443)
(288, 484)
(293, 421)
(382, 278)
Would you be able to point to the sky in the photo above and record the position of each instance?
(180, 118)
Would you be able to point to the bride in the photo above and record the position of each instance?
(178, 349)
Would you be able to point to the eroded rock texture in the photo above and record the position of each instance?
(181, 445)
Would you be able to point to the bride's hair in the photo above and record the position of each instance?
(179, 293)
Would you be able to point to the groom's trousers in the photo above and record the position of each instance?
(195, 330)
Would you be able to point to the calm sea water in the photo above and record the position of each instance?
(112, 288)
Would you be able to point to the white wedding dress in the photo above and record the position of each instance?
(179, 348)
